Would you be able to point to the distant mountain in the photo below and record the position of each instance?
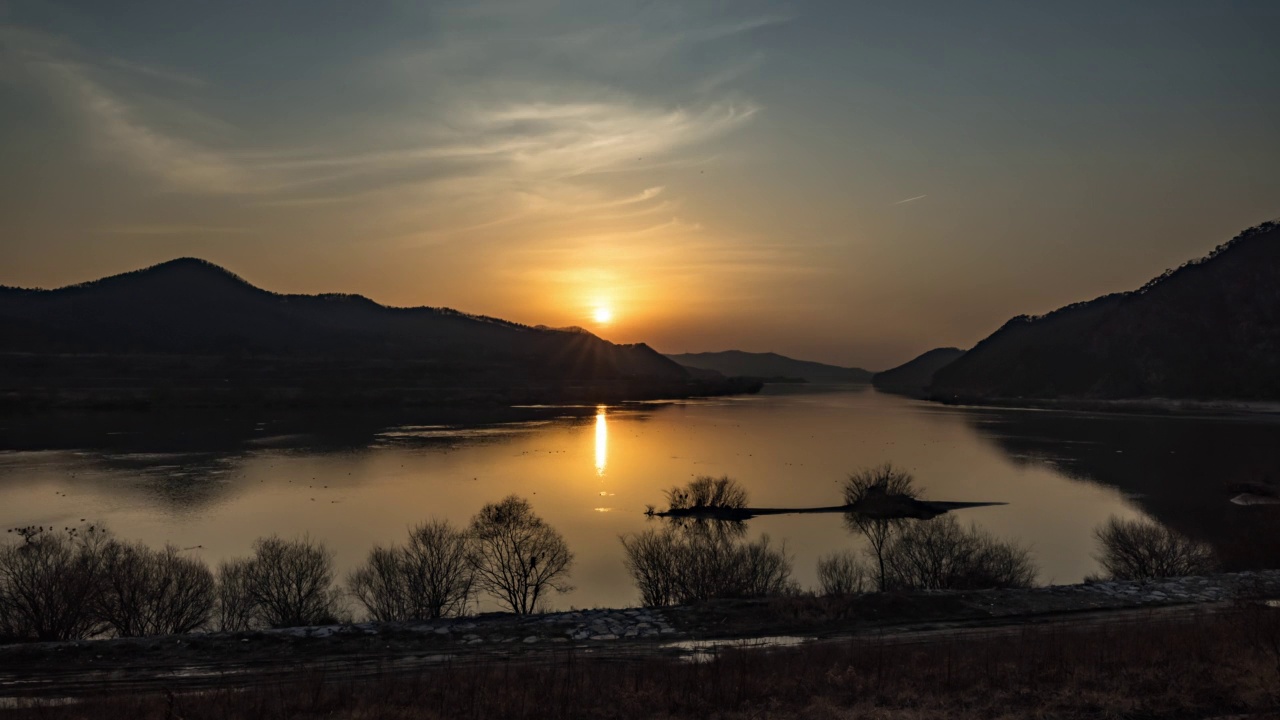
(248, 337)
(736, 363)
(914, 376)
(1207, 330)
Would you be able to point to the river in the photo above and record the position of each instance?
(212, 484)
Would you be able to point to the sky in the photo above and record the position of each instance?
(849, 182)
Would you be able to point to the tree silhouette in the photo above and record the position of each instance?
(516, 556)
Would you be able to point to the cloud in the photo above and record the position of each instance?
(910, 200)
(472, 129)
(174, 230)
(113, 125)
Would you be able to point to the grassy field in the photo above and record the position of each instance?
(1222, 665)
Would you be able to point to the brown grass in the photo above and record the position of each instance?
(1224, 665)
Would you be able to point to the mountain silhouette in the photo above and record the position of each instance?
(148, 320)
(1209, 329)
(736, 363)
(914, 376)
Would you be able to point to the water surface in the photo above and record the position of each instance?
(213, 484)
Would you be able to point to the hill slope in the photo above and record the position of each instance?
(196, 324)
(736, 363)
(1207, 330)
(914, 376)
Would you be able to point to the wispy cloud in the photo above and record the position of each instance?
(910, 200)
(546, 127)
(173, 230)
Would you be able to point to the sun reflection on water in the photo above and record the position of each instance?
(602, 440)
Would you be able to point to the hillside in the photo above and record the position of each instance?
(1207, 330)
(190, 324)
(914, 376)
(736, 363)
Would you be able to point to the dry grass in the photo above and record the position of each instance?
(1225, 665)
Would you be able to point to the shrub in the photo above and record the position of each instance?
(516, 556)
(429, 578)
(672, 566)
(1137, 549)
(938, 554)
(842, 573)
(287, 583)
(149, 592)
(50, 583)
(655, 560)
(235, 607)
(707, 491)
(879, 531)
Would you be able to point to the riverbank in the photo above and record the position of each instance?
(201, 662)
(1137, 406)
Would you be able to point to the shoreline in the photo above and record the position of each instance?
(1170, 407)
(679, 634)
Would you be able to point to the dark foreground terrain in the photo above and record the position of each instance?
(1206, 648)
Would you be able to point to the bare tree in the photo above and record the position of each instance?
(289, 583)
(941, 555)
(235, 610)
(655, 560)
(1137, 549)
(516, 556)
(879, 531)
(380, 585)
(841, 573)
(431, 577)
(149, 592)
(674, 566)
(50, 582)
(707, 491)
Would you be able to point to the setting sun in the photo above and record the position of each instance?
(602, 315)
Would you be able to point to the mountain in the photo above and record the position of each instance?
(1209, 329)
(736, 363)
(190, 324)
(914, 376)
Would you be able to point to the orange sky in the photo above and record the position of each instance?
(844, 183)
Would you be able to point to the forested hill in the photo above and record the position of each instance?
(1209, 329)
(144, 322)
(914, 376)
(770, 365)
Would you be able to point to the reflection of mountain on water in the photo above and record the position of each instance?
(1181, 471)
(188, 461)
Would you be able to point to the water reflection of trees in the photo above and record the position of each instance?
(695, 557)
(1180, 471)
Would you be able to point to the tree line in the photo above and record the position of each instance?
(78, 583)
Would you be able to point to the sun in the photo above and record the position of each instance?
(602, 315)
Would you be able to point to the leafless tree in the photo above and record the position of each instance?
(841, 573)
(655, 559)
(149, 592)
(939, 554)
(673, 566)
(707, 491)
(235, 608)
(1137, 549)
(879, 531)
(380, 585)
(431, 577)
(516, 556)
(287, 583)
(50, 582)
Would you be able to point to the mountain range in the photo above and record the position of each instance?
(916, 375)
(1209, 329)
(189, 324)
(736, 363)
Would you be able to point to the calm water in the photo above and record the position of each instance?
(214, 485)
